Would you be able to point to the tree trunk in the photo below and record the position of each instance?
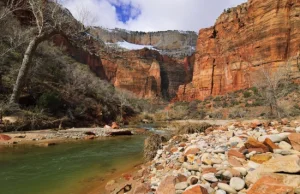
(23, 72)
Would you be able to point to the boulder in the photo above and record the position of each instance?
(268, 185)
(295, 141)
(119, 133)
(261, 158)
(235, 153)
(275, 137)
(287, 164)
(142, 188)
(253, 143)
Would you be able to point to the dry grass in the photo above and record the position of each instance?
(190, 128)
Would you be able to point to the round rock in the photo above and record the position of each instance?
(237, 183)
(226, 188)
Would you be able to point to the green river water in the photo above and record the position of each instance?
(69, 168)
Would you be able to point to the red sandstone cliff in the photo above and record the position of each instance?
(243, 39)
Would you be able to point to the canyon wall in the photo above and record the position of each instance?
(173, 43)
(242, 41)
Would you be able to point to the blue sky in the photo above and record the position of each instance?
(151, 15)
(124, 12)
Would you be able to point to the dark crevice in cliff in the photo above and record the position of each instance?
(214, 34)
(278, 6)
(212, 77)
(164, 82)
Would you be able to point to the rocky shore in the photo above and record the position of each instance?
(246, 158)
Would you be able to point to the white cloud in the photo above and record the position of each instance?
(156, 15)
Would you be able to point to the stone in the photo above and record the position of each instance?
(210, 177)
(220, 192)
(181, 186)
(235, 153)
(115, 126)
(298, 130)
(242, 170)
(268, 184)
(284, 145)
(275, 137)
(253, 143)
(287, 164)
(195, 189)
(261, 158)
(295, 140)
(227, 174)
(209, 170)
(226, 188)
(192, 180)
(181, 178)
(167, 185)
(237, 183)
(191, 150)
(270, 144)
(142, 188)
(4, 137)
(234, 162)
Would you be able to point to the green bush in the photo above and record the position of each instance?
(190, 128)
(247, 94)
(50, 101)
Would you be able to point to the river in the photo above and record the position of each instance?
(68, 168)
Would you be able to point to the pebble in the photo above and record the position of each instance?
(226, 188)
(181, 186)
(284, 145)
(210, 177)
(237, 183)
(220, 192)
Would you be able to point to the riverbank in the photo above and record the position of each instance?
(240, 157)
(52, 137)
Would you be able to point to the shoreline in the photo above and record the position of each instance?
(50, 137)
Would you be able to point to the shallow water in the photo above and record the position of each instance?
(72, 168)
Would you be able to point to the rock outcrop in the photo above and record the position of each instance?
(243, 39)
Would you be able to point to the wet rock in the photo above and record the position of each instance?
(261, 158)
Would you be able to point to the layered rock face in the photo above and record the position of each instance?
(172, 43)
(243, 40)
(145, 72)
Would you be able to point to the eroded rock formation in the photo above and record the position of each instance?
(243, 39)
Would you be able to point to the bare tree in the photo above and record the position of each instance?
(85, 16)
(272, 85)
(48, 19)
(7, 7)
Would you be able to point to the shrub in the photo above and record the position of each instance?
(151, 145)
(190, 128)
(247, 94)
(50, 101)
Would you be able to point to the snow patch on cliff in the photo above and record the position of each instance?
(130, 46)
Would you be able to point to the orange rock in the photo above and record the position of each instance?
(181, 178)
(197, 189)
(284, 121)
(270, 144)
(142, 188)
(174, 149)
(295, 141)
(235, 153)
(209, 170)
(261, 158)
(270, 185)
(191, 150)
(167, 186)
(253, 143)
(4, 137)
(115, 126)
(234, 162)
